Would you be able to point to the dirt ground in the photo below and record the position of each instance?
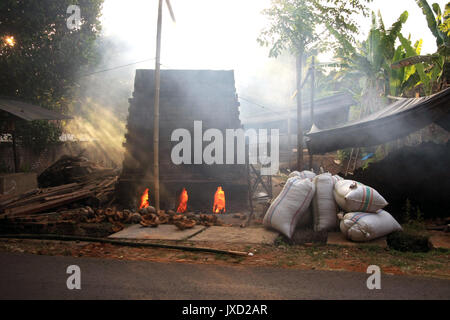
(433, 264)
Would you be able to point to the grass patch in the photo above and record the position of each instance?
(371, 248)
(238, 260)
(433, 266)
(399, 263)
(281, 241)
(220, 256)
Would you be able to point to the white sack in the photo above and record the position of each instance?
(323, 204)
(353, 196)
(291, 206)
(305, 174)
(363, 226)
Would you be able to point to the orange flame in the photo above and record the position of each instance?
(219, 201)
(182, 204)
(144, 200)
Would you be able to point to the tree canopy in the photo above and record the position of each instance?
(40, 56)
(301, 26)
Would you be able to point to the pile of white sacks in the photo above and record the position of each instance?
(307, 197)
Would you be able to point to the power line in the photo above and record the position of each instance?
(133, 63)
(259, 105)
(117, 67)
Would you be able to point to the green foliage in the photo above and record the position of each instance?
(301, 26)
(445, 26)
(42, 67)
(343, 154)
(370, 60)
(412, 215)
(427, 77)
(281, 241)
(434, 20)
(38, 134)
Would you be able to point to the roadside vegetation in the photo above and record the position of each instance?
(434, 263)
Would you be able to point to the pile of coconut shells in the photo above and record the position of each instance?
(148, 217)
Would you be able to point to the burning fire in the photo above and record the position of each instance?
(219, 201)
(182, 204)
(144, 200)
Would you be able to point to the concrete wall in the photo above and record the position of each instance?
(17, 183)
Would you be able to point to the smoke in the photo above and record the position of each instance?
(101, 107)
(102, 128)
(218, 35)
(207, 35)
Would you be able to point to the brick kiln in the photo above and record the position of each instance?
(185, 96)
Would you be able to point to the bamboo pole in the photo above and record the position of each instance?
(313, 79)
(120, 242)
(156, 109)
(289, 138)
(299, 113)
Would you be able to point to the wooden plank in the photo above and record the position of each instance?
(60, 196)
(33, 208)
(61, 187)
(41, 196)
(9, 199)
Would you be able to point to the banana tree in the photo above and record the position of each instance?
(405, 78)
(433, 69)
(370, 62)
(436, 21)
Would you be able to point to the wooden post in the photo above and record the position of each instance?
(14, 147)
(313, 66)
(156, 109)
(289, 138)
(299, 113)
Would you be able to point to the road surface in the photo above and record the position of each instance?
(26, 276)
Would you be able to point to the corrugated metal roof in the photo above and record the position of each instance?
(321, 106)
(29, 111)
(394, 121)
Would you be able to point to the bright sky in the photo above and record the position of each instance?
(221, 34)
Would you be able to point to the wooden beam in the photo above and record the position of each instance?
(33, 208)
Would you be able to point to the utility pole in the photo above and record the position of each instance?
(156, 109)
(299, 113)
(156, 102)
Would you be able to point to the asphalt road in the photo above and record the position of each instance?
(25, 276)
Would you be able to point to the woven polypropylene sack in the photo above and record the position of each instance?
(291, 206)
(323, 204)
(353, 196)
(366, 226)
(305, 174)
